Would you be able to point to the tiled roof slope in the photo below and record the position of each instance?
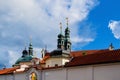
(8, 70)
(87, 52)
(75, 54)
(98, 58)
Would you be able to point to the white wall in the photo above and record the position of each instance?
(75, 73)
(107, 72)
(20, 76)
(90, 72)
(2, 77)
(54, 74)
(7, 77)
(80, 73)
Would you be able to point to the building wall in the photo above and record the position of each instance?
(20, 76)
(90, 72)
(74, 73)
(2, 77)
(54, 74)
(107, 72)
(59, 61)
(7, 77)
(64, 61)
(81, 73)
(26, 63)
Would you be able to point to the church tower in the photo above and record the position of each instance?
(27, 56)
(61, 55)
(60, 40)
(67, 42)
(30, 49)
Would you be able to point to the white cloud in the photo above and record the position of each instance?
(78, 39)
(37, 52)
(115, 27)
(20, 19)
(12, 56)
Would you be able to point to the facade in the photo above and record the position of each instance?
(99, 66)
(64, 64)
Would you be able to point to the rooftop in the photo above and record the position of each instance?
(102, 56)
(8, 70)
(92, 57)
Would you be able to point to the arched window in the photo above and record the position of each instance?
(62, 43)
(68, 46)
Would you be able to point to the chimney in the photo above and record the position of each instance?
(111, 47)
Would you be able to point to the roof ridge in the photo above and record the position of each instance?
(105, 57)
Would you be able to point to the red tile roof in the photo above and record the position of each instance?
(55, 67)
(87, 52)
(8, 70)
(104, 56)
(75, 54)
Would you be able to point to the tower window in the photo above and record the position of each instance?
(68, 46)
(62, 43)
(59, 44)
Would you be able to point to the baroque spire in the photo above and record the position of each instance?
(60, 27)
(67, 21)
(67, 42)
(60, 41)
(30, 47)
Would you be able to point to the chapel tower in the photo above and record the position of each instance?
(30, 49)
(60, 40)
(67, 42)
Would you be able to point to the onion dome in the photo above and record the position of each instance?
(24, 53)
(60, 36)
(26, 58)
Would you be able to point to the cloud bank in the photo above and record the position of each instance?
(40, 19)
(115, 28)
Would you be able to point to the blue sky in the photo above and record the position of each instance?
(100, 17)
(94, 24)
